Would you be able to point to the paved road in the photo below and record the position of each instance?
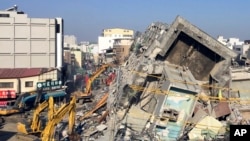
(7, 133)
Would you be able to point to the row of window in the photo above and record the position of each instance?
(4, 15)
(11, 84)
(127, 36)
(106, 30)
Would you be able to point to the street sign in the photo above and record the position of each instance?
(49, 85)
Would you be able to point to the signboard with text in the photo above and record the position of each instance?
(50, 85)
(7, 94)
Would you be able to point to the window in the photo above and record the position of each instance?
(4, 15)
(238, 49)
(29, 84)
(57, 28)
(6, 84)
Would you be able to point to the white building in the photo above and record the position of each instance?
(106, 41)
(235, 44)
(30, 42)
(241, 49)
(70, 39)
(222, 40)
(94, 49)
(230, 42)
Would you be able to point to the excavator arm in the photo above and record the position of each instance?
(48, 132)
(23, 128)
(94, 76)
(87, 93)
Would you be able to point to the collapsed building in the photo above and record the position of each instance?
(170, 84)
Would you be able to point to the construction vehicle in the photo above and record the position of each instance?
(46, 129)
(27, 101)
(7, 100)
(36, 125)
(48, 132)
(81, 96)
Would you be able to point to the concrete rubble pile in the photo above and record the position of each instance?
(175, 86)
(91, 118)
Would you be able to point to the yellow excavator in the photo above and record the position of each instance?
(35, 126)
(81, 96)
(48, 132)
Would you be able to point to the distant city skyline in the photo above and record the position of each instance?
(86, 19)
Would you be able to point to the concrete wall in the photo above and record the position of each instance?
(241, 49)
(27, 42)
(121, 49)
(53, 75)
(33, 80)
(59, 42)
(78, 57)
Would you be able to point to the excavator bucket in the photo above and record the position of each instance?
(21, 128)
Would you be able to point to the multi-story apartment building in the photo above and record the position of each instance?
(70, 39)
(121, 49)
(118, 33)
(30, 42)
(106, 41)
(78, 55)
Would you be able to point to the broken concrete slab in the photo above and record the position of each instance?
(207, 123)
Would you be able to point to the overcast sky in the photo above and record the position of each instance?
(86, 18)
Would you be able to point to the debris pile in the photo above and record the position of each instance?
(176, 85)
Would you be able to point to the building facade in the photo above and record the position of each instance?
(121, 49)
(30, 42)
(230, 42)
(23, 80)
(78, 56)
(106, 41)
(70, 39)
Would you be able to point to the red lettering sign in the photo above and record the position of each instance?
(7, 94)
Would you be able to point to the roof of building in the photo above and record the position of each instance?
(6, 73)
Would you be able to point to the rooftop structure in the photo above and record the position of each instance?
(22, 72)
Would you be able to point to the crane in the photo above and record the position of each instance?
(48, 132)
(80, 96)
(36, 123)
